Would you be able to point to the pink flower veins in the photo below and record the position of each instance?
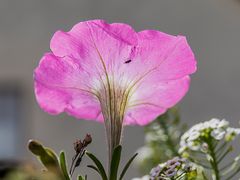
(112, 74)
(109, 72)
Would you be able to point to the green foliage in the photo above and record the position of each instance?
(56, 166)
(127, 166)
(99, 167)
(114, 166)
(196, 154)
(63, 165)
(82, 178)
(208, 144)
(46, 156)
(26, 174)
(115, 163)
(162, 138)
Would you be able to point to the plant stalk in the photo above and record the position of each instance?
(213, 162)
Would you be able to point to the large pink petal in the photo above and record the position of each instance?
(60, 86)
(154, 65)
(142, 114)
(169, 56)
(96, 44)
(80, 60)
(160, 68)
(152, 99)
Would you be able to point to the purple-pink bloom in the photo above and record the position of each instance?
(109, 72)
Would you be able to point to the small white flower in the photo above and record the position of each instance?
(223, 124)
(194, 135)
(193, 145)
(185, 136)
(182, 149)
(232, 133)
(235, 131)
(213, 123)
(218, 134)
(215, 128)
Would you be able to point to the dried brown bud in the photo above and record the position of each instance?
(78, 145)
(87, 140)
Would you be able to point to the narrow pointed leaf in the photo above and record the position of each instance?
(93, 167)
(115, 162)
(127, 166)
(63, 165)
(99, 165)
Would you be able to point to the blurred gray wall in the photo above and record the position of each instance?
(212, 28)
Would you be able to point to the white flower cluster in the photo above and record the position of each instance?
(194, 138)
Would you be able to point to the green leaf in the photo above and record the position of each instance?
(36, 148)
(49, 159)
(81, 178)
(98, 164)
(115, 162)
(127, 166)
(51, 153)
(63, 165)
(47, 156)
(93, 167)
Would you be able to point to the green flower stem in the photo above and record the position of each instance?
(197, 161)
(180, 176)
(231, 176)
(213, 162)
(204, 176)
(224, 154)
(227, 166)
(221, 148)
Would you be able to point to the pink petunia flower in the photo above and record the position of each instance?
(112, 74)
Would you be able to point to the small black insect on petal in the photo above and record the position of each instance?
(128, 61)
